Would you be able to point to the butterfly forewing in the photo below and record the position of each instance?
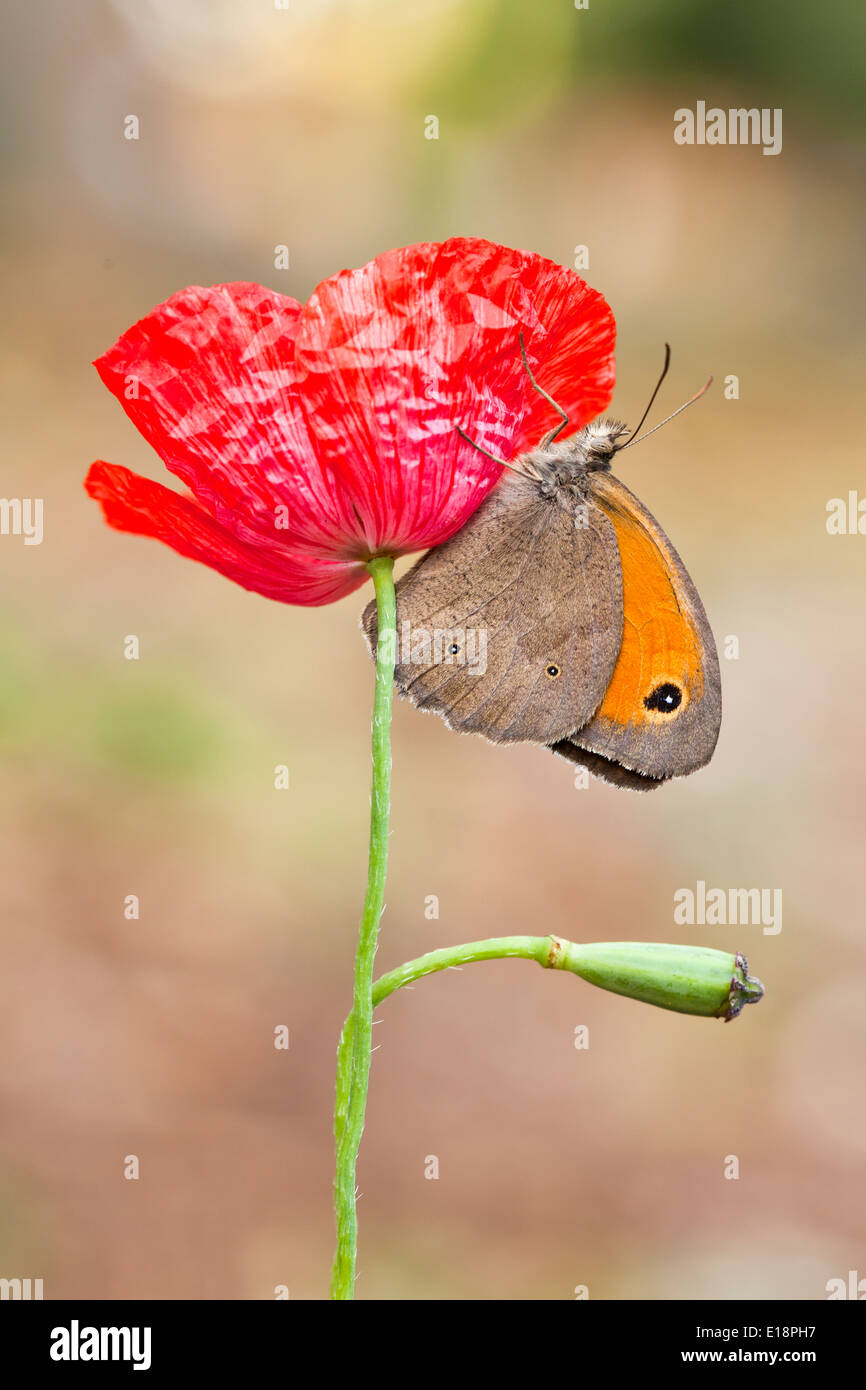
(661, 713)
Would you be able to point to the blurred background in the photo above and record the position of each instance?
(305, 127)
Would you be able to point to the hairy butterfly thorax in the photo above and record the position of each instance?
(563, 466)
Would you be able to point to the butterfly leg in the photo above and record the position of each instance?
(548, 438)
(480, 447)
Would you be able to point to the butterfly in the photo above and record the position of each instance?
(561, 614)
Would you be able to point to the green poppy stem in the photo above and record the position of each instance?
(353, 1062)
(687, 979)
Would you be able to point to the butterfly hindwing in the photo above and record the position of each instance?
(530, 593)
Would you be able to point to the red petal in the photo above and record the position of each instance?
(392, 356)
(217, 399)
(575, 364)
(343, 414)
(133, 503)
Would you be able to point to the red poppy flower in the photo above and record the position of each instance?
(314, 436)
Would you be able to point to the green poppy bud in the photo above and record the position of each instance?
(687, 979)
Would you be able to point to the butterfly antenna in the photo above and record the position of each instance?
(696, 397)
(631, 439)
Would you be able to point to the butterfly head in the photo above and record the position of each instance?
(599, 442)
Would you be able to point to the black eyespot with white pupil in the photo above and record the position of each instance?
(453, 649)
(665, 698)
(552, 670)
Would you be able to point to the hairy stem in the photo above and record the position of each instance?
(353, 1061)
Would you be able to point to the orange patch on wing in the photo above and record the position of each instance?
(660, 643)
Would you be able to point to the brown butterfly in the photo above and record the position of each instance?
(594, 640)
